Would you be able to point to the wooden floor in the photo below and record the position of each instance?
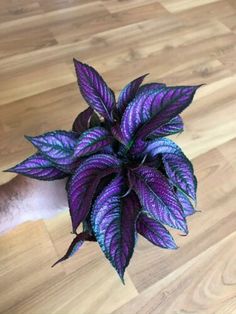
(178, 42)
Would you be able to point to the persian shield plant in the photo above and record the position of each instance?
(124, 175)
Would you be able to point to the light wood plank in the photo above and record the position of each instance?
(205, 284)
(183, 5)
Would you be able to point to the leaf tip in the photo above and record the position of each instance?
(76, 61)
(174, 246)
(9, 169)
(184, 228)
(28, 138)
(145, 75)
(121, 275)
(57, 262)
(186, 232)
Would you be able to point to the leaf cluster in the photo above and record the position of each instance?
(125, 176)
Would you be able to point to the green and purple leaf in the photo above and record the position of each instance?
(92, 141)
(150, 87)
(75, 246)
(82, 185)
(172, 102)
(154, 108)
(139, 111)
(113, 221)
(157, 197)
(186, 204)
(94, 89)
(38, 167)
(154, 232)
(117, 134)
(81, 122)
(177, 166)
(128, 93)
(57, 146)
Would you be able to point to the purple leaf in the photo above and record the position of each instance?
(91, 141)
(139, 111)
(152, 109)
(83, 184)
(180, 172)
(150, 87)
(157, 197)
(94, 89)
(57, 146)
(174, 126)
(187, 206)
(172, 102)
(113, 221)
(116, 132)
(38, 167)
(75, 246)
(81, 122)
(155, 232)
(128, 93)
(177, 166)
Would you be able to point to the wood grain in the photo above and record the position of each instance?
(178, 42)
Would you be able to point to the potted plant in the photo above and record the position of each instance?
(125, 176)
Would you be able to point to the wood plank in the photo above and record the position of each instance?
(217, 96)
(84, 272)
(183, 5)
(118, 6)
(206, 284)
(49, 6)
(35, 82)
(209, 11)
(104, 21)
(22, 263)
(13, 10)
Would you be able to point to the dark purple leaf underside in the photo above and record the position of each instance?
(81, 122)
(128, 93)
(113, 221)
(92, 141)
(75, 246)
(155, 232)
(94, 89)
(177, 166)
(57, 146)
(157, 197)
(83, 184)
(38, 167)
(94, 120)
(174, 126)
